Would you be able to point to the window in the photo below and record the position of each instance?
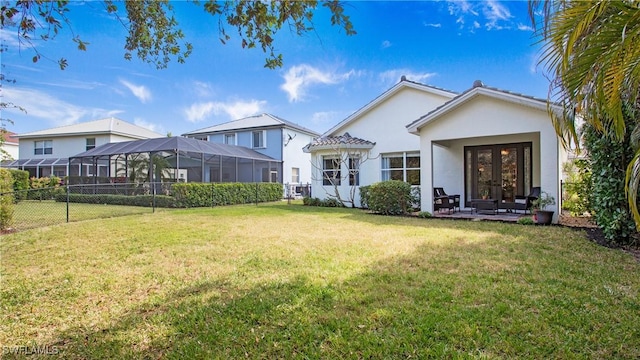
(44, 147)
(354, 171)
(91, 143)
(201, 137)
(295, 175)
(404, 167)
(330, 170)
(230, 139)
(258, 139)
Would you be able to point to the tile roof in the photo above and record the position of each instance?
(256, 121)
(333, 142)
(9, 137)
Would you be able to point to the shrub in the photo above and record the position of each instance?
(577, 188)
(525, 221)
(20, 184)
(424, 214)
(214, 194)
(6, 199)
(162, 201)
(322, 203)
(391, 197)
(609, 158)
(43, 188)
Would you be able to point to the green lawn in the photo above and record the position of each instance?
(29, 214)
(287, 281)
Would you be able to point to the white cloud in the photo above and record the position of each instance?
(438, 25)
(393, 76)
(202, 89)
(9, 38)
(495, 12)
(148, 125)
(524, 27)
(140, 91)
(299, 78)
(386, 44)
(55, 111)
(198, 112)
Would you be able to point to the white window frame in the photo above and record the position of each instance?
(386, 171)
(295, 175)
(354, 171)
(328, 174)
(90, 146)
(233, 136)
(263, 139)
(43, 146)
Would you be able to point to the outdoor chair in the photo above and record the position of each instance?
(525, 202)
(443, 201)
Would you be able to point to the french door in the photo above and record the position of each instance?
(498, 171)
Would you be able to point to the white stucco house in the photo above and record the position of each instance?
(46, 152)
(484, 140)
(9, 146)
(272, 136)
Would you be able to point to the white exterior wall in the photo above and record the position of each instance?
(481, 121)
(384, 124)
(63, 146)
(13, 150)
(293, 156)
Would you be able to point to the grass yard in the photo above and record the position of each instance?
(287, 281)
(33, 213)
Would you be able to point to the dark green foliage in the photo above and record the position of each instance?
(20, 183)
(525, 221)
(391, 197)
(577, 188)
(309, 201)
(6, 199)
(215, 194)
(424, 214)
(364, 196)
(161, 201)
(609, 158)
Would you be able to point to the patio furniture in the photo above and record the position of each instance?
(443, 201)
(484, 206)
(525, 202)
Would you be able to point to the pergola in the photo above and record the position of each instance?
(175, 159)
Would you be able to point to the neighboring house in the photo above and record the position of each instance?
(271, 136)
(484, 140)
(377, 141)
(46, 152)
(9, 146)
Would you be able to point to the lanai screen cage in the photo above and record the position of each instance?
(173, 159)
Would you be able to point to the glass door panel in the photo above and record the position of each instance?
(508, 174)
(484, 172)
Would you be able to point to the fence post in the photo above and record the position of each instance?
(67, 201)
(153, 198)
(256, 194)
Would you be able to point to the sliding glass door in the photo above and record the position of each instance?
(497, 171)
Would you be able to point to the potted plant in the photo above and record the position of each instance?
(539, 206)
(485, 194)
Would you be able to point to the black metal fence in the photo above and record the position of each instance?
(56, 205)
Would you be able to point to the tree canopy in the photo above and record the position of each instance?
(154, 34)
(592, 50)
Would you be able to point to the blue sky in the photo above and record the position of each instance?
(326, 75)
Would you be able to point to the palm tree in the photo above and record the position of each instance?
(592, 50)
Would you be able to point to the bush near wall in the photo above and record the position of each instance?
(44, 188)
(391, 197)
(215, 194)
(6, 200)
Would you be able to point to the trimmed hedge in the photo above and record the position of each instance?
(186, 195)
(162, 201)
(215, 194)
(309, 201)
(391, 197)
(364, 196)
